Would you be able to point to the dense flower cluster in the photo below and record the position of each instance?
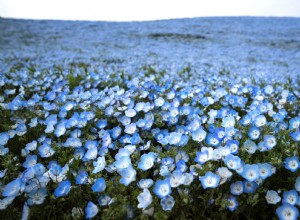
(149, 131)
(155, 126)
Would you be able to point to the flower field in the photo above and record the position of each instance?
(179, 119)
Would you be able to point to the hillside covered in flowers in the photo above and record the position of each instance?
(175, 119)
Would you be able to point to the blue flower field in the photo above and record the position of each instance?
(174, 119)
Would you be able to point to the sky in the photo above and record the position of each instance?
(142, 10)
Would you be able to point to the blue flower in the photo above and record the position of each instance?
(73, 121)
(82, 178)
(183, 141)
(89, 144)
(99, 164)
(233, 145)
(201, 157)
(37, 197)
(177, 178)
(128, 175)
(292, 163)
(91, 154)
(73, 142)
(287, 211)
(290, 197)
(116, 132)
(232, 162)
(135, 139)
(233, 203)
(123, 152)
(99, 185)
(144, 199)
(164, 170)
(194, 125)
(269, 141)
(109, 111)
(145, 183)
(13, 188)
(55, 169)
(246, 120)
(39, 169)
(168, 161)
(130, 113)
(181, 165)
(4, 138)
(230, 132)
(254, 133)
(31, 146)
(124, 120)
(199, 135)
(167, 203)
(212, 140)
(159, 102)
(296, 136)
(68, 106)
(268, 89)
(228, 122)
(25, 212)
(30, 161)
(46, 151)
(174, 138)
(50, 96)
(102, 123)
(219, 133)
(294, 123)
(79, 153)
(204, 101)
(173, 112)
(106, 140)
(105, 200)
(63, 188)
(260, 120)
(16, 103)
(250, 172)
(130, 129)
(237, 188)
(60, 129)
(209, 180)
(141, 123)
(122, 162)
(28, 174)
(91, 210)
(278, 117)
(76, 133)
(147, 161)
(139, 106)
(21, 129)
(162, 188)
(272, 197)
(265, 170)
(173, 120)
(250, 146)
(2, 173)
(249, 187)
(125, 139)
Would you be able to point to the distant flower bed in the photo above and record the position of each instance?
(89, 142)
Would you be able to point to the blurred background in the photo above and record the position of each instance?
(143, 10)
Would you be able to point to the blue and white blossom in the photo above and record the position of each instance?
(144, 199)
(210, 180)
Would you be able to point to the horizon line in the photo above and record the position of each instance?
(151, 20)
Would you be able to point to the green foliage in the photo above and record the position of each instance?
(74, 80)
